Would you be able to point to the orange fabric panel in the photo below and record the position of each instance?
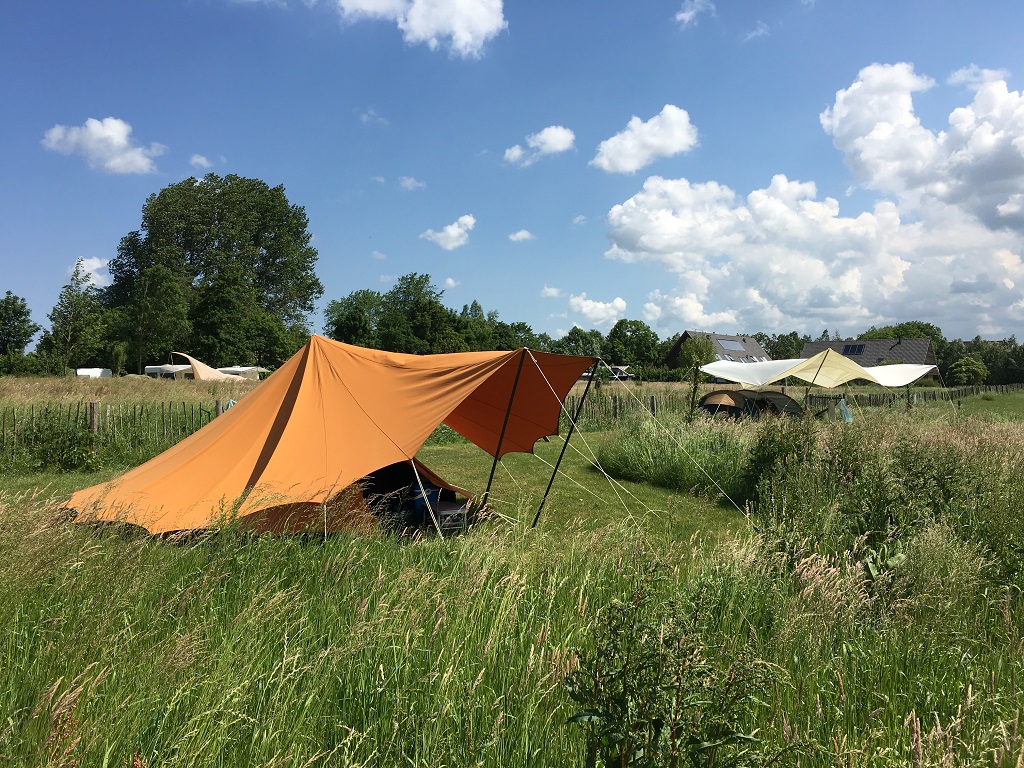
(544, 381)
(330, 415)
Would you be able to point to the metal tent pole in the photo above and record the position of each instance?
(501, 436)
(572, 427)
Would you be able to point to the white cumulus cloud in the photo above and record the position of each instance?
(369, 116)
(411, 184)
(943, 242)
(521, 236)
(105, 144)
(760, 30)
(548, 292)
(93, 266)
(464, 26)
(976, 164)
(450, 282)
(454, 235)
(692, 9)
(549, 141)
(598, 312)
(667, 133)
(974, 76)
(200, 161)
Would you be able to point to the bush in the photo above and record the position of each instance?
(657, 691)
(53, 445)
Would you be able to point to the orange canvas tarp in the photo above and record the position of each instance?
(331, 415)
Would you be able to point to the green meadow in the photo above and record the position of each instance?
(735, 593)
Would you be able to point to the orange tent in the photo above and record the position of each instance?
(331, 415)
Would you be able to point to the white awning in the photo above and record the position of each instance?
(898, 375)
(825, 369)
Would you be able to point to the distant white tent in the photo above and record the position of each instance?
(93, 373)
(194, 369)
(168, 371)
(825, 369)
(245, 371)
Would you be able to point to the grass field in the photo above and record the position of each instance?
(865, 611)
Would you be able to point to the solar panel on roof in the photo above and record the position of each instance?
(729, 344)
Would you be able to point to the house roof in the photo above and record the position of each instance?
(877, 351)
(743, 349)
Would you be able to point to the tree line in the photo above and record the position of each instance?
(223, 268)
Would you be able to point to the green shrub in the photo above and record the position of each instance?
(51, 444)
(657, 690)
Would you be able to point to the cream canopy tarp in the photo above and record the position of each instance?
(899, 374)
(825, 369)
(331, 415)
(202, 372)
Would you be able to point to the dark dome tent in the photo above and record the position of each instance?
(738, 403)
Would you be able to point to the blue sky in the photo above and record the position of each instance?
(735, 167)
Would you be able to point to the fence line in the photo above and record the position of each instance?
(178, 419)
(164, 420)
(868, 399)
(611, 406)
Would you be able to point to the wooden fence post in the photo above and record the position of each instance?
(94, 416)
(218, 408)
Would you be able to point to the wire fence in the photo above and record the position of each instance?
(168, 422)
(819, 401)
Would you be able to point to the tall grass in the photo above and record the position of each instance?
(705, 457)
(263, 651)
(880, 583)
(236, 650)
(16, 390)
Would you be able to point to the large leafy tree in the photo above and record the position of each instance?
(783, 346)
(477, 328)
(408, 318)
(631, 342)
(355, 319)
(968, 370)
(77, 321)
(154, 322)
(244, 266)
(696, 351)
(16, 326)
(509, 336)
(580, 342)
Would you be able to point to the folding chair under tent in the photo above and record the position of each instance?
(330, 416)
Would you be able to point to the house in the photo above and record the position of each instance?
(736, 349)
(868, 352)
